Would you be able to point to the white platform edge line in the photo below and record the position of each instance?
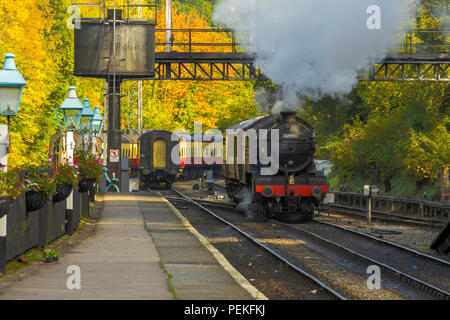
(237, 276)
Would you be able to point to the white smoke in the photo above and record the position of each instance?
(443, 14)
(312, 48)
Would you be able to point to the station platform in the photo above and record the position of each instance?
(142, 250)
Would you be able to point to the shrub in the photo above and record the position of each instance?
(64, 174)
(39, 180)
(11, 184)
(89, 166)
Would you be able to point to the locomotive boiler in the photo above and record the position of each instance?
(294, 189)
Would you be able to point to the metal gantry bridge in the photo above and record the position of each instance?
(426, 59)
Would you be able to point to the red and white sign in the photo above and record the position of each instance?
(114, 155)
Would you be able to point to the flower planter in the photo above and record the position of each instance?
(5, 204)
(35, 200)
(62, 192)
(85, 185)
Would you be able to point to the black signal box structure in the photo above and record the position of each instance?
(135, 49)
(116, 44)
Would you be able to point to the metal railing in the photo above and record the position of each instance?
(189, 40)
(186, 40)
(426, 41)
(413, 207)
(131, 12)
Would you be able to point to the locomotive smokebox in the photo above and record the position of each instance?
(288, 116)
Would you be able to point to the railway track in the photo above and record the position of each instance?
(396, 253)
(331, 292)
(386, 217)
(389, 249)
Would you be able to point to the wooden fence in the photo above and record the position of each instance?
(413, 207)
(27, 230)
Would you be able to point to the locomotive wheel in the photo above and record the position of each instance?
(256, 213)
(307, 210)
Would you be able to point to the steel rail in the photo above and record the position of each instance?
(384, 216)
(312, 278)
(443, 294)
(355, 232)
(416, 253)
(387, 243)
(390, 214)
(206, 202)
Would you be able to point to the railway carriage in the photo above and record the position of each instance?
(196, 158)
(156, 163)
(130, 151)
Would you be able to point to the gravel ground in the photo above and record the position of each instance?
(432, 273)
(344, 273)
(412, 237)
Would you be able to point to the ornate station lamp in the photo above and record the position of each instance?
(71, 110)
(86, 123)
(97, 122)
(97, 126)
(86, 118)
(11, 87)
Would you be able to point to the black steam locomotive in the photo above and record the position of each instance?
(295, 189)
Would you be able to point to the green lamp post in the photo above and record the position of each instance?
(11, 89)
(71, 110)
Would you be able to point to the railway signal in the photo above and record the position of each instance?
(368, 192)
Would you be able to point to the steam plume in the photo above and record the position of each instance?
(315, 47)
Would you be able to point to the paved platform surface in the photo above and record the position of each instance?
(119, 262)
(196, 274)
(137, 232)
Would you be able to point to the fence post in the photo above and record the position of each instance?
(43, 227)
(190, 40)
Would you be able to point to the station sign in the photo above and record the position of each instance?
(114, 155)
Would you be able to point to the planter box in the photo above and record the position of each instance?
(62, 192)
(85, 185)
(35, 200)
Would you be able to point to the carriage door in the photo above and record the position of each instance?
(159, 154)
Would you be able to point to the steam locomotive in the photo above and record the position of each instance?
(295, 189)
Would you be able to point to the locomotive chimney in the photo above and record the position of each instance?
(288, 116)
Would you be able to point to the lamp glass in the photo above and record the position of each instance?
(9, 100)
(85, 124)
(96, 126)
(71, 119)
